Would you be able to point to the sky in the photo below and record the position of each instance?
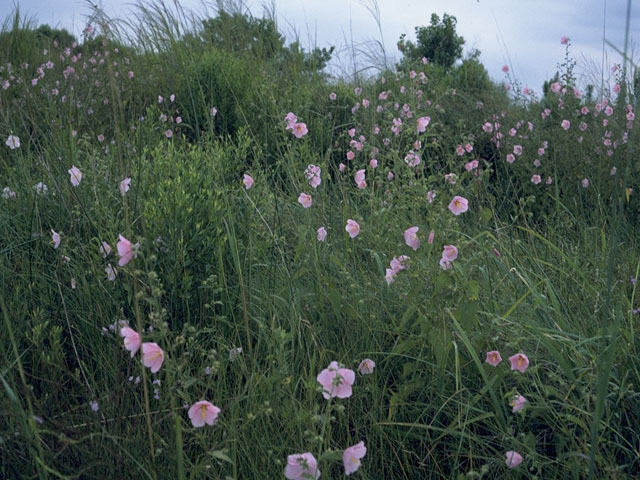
(523, 34)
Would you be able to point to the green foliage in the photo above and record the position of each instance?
(541, 269)
(438, 42)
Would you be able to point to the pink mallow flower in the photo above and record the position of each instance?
(152, 356)
(513, 459)
(411, 237)
(124, 186)
(126, 251)
(248, 181)
(352, 228)
(313, 173)
(105, 249)
(13, 142)
(302, 466)
(518, 403)
(519, 361)
(76, 175)
(299, 129)
(305, 200)
(423, 122)
(55, 237)
(203, 412)
(131, 339)
(493, 358)
(458, 205)
(449, 254)
(291, 120)
(321, 234)
(336, 381)
(366, 366)
(359, 179)
(352, 456)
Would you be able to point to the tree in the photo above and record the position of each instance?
(438, 42)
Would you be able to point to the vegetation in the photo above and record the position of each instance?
(197, 220)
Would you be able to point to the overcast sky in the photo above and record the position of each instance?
(524, 34)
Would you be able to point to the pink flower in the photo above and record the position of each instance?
(305, 200)
(616, 88)
(431, 196)
(131, 339)
(359, 179)
(302, 466)
(511, 158)
(313, 173)
(291, 120)
(556, 87)
(76, 176)
(332, 96)
(248, 181)
(390, 175)
(352, 228)
(111, 272)
(152, 356)
(299, 130)
(493, 358)
(423, 122)
(411, 237)
(352, 456)
(390, 275)
(168, 133)
(124, 186)
(505, 69)
(321, 234)
(126, 251)
(458, 205)
(13, 142)
(336, 381)
(105, 249)
(342, 167)
(473, 164)
(449, 253)
(518, 403)
(585, 182)
(564, 40)
(350, 155)
(397, 264)
(513, 459)
(214, 111)
(373, 163)
(566, 124)
(101, 138)
(55, 237)
(519, 361)
(517, 149)
(203, 412)
(536, 179)
(366, 366)
(451, 178)
(431, 236)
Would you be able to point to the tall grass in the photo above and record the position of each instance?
(249, 307)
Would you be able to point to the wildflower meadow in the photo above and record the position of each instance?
(221, 259)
